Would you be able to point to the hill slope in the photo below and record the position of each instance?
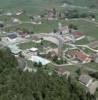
(27, 4)
(38, 5)
(88, 3)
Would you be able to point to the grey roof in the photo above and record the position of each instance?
(92, 88)
(84, 79)
(12, 36)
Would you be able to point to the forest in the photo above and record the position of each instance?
(18, 85)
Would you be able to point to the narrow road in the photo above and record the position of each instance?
(86, 46)
(87, 20)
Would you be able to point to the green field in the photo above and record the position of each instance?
(47, 26)
(31, 44)
(38, 6)
(83, 2)
(96, 48)
(82, 42)
(27, 45)
(65, 46)
(34, 7)
(86, 50)
(88, 28)
(30, 6)
(92, 65)
(97, 95)
(42, 3)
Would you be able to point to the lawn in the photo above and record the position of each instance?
(4, 18)
(82, 42)
(46, 26)
(92, 65)
(46, 43)
(23, 17)
(97, 95)
(71, 68)
(31, 44)
(28, 45)
(96, 48)
(86, 50)
(34, 7)
(65, 46)
(90, 29)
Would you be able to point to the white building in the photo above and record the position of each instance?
(34, 51)
(63, 29)
(15, 20)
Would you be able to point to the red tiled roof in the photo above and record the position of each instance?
(79, 55)
(35, 38)
(61, 70)
(78, 34)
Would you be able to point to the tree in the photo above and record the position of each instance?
(42, 15)
(60, 15)
(78, 71)
(60, 33)
(21, 55)
(92, 6)
(31, 17)
(54, 12)
(40, 65)
(92, 16)
(1, 25)
(72, 14)
(83, 15)
(35, 64)
(95, 75)
(72, 26)
(31, 32)
(18, 85)
(42, 41)
(54, 31)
